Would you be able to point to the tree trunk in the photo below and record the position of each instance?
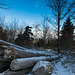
(58, 37)
(59, 27)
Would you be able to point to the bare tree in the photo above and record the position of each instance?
(37, 30)
(72, 14)
(45, 28)
(2, 21)
(13, 30)
(3, 5)
(21, 29)
(59, 8)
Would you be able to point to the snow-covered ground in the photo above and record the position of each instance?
(64, 66)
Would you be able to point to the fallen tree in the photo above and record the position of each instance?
(24, 63)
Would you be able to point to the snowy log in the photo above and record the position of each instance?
(14, 51)
(21, 51)
(26, 62)
(23, 63)
(30, 53)
(42, 68)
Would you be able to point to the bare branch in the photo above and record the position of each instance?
(50, 22)
(68, 10)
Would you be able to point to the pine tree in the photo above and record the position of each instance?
(25, 39)
(27, 33)
(27, 36)
(67, 34)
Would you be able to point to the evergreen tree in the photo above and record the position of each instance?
(25, 39)
(27, 36)
(27, 33)
(67, 34)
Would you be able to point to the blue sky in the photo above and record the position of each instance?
(28, 11)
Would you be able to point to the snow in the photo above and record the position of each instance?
(32, 58)
(60, 70)
(65, 66)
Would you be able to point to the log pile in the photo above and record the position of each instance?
(22, 58)
(14, 51)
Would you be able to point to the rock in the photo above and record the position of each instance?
(42, 68)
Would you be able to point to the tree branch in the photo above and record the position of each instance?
(50, 22)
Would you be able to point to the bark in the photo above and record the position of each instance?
(24, 63)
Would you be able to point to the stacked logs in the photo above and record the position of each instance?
(22, 58)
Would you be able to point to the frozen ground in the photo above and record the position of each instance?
(65, 65)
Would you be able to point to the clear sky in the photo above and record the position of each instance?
(28, 11)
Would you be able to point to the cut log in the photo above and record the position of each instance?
(42, 68)
(24, 63)
(14, 51)
(23, 53)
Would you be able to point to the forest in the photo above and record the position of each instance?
(29, 37)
